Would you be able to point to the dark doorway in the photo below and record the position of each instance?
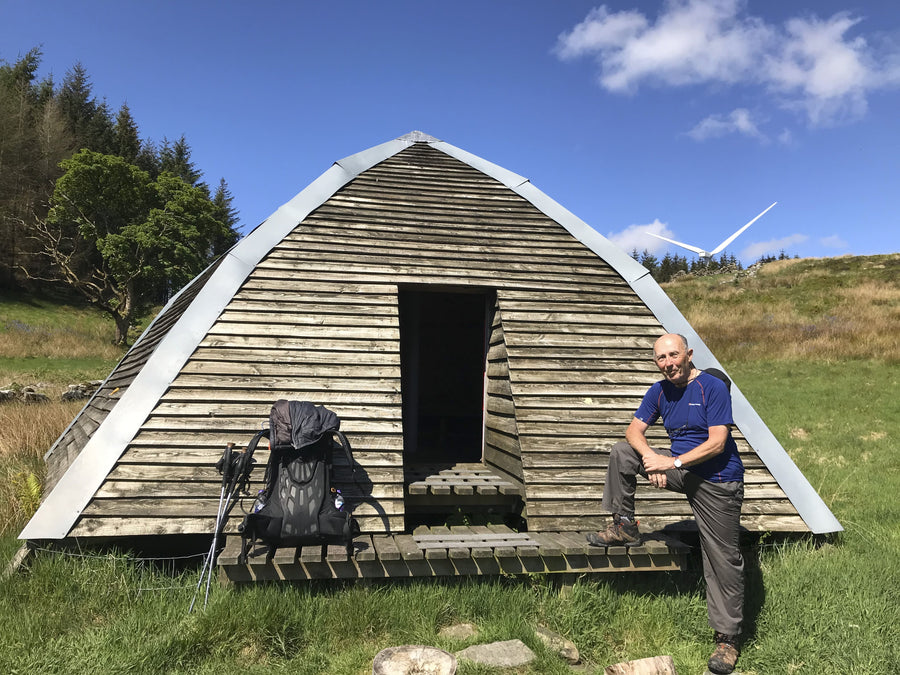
(443, 343)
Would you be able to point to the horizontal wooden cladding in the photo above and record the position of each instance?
(173, 445)
(298, 343)
(536, 407)
(585, 492)
(531, 363)
(384, 467)
(334, 238)
(174, 507)
(305, 330)
(518, 212)
(144, 524)
(617, 292)
(594, 388)
(295, 317)
(396, 236)
(241, 309)
(431, 175)
(466, 227)
(579, 333)
(752, 523)
(443, 259)
(179, 487)
(551, 462)
(462, 274)
(571, 322)
(516, 340)
(287, 384)
(260, 411)
(329, 370)
(262, 399)
(250, 356)
(234, 424)
(563, 378)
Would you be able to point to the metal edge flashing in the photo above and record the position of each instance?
(814, 512)
(60, 510)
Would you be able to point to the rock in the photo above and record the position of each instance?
(29, 395)
(507, 654)
(655, 665)
(459, 631)
(414, 660)
(82, 390)
(564, 648)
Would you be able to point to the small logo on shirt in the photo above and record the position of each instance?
(696, 404)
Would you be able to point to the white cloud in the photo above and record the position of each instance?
(808, 64)
(834, 241)
(636, 237)
(738, 121)
(754, 251)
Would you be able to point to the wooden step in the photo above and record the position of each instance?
(451, 551)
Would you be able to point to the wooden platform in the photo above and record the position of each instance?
(460, 486)
(453, 551)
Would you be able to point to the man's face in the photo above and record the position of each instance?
(672, 359)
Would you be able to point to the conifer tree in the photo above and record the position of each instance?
(127, 142)
(176, 159)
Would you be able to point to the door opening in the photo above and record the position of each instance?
(443, 346)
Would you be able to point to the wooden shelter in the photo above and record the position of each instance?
(483, 347)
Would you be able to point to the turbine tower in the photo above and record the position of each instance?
(706, 255)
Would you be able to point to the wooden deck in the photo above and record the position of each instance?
(451, 551)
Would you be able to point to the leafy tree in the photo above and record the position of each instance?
(114, 235)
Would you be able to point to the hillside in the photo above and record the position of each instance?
(822, 309)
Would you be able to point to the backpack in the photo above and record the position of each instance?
(298, 505)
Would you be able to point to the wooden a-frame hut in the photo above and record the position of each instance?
(483, 347)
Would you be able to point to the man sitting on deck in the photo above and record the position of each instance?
(703, 463)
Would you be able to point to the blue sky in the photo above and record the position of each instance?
(686, 118)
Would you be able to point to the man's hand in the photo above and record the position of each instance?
(657, 479)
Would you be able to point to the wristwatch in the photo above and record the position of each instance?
(677, 463)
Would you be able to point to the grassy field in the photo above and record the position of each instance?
(828, 393)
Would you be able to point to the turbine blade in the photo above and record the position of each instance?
(698, 251)
(721, 247)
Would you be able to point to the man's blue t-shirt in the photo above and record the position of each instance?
(688, 413)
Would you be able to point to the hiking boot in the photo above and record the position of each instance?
(618, 533)
(725, 656)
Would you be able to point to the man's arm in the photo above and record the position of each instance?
(637, 439)
(711, 447)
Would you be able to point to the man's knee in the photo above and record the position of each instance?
(624, 458)
(622, 447)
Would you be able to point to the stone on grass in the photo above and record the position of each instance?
(506, 654)
(556, 643)
(655, 665)
(414, 660)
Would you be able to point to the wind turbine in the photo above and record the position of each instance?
(706, 255)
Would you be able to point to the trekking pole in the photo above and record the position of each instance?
(226, 467)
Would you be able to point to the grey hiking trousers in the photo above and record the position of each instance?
(717, 511)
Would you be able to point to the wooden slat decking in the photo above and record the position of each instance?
(457, 551)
